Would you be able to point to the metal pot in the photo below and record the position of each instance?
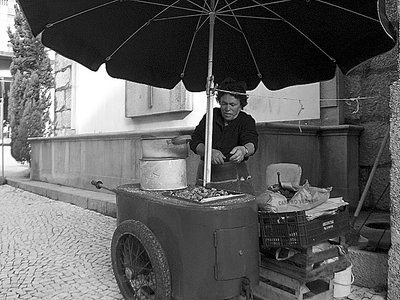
(165, 147)
(163, 174)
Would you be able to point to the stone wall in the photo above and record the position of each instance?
(75, 160)
(394, 147)
(63, 96)
(373, 79)
(394, 253)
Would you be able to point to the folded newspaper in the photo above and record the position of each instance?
(329, 207)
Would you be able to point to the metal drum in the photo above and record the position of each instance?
(162, 174)
(210, 248)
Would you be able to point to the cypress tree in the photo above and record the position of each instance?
(32, 81)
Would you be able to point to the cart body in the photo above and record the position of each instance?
(210, 247)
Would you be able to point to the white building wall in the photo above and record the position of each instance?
(98, 105)
(7, 14)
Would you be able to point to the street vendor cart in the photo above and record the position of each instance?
(170, 244)
(166, 247)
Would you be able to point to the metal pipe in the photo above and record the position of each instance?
(371, 175)
(210, 98)
(99, 185)
(150, 97)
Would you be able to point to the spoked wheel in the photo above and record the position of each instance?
(139, 263)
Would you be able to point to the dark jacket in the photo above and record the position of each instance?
(238, 132)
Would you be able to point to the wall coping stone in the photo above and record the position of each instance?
(272, 128)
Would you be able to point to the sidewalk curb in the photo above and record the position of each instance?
(103, 203)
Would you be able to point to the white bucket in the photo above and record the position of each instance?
(342, 282)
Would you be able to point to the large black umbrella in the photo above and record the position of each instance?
(159, 43)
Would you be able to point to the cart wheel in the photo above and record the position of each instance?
(139, 263)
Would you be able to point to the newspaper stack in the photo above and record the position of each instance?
(329, 207)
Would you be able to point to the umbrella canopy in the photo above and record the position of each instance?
(159, 43)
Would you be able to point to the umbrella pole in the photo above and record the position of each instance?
(210, 98)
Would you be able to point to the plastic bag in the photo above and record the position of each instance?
(273, 202)
(285, 253)
(305, 198)
(269, 201)
(308, 197)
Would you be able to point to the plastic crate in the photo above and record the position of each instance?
(293, 230)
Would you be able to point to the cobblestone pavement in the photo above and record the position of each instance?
(53, 250)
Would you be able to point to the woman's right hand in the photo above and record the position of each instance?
(217, 158)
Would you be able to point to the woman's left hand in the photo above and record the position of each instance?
(238, 154)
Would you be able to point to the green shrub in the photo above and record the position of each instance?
(29, 98)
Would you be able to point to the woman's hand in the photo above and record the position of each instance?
(238, 154)
(217, 158)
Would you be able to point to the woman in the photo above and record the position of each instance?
(235, 139)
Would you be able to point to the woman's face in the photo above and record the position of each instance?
(230, 107)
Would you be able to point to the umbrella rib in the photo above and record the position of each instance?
(140, 28)
(230, 25)
(249, 17)
(171, 5)
(203, 8)
(221, 10)
(180, 17)
(138, 1)
(81, 13)
(124, 42)
(348, 10)
(199, 25)
(298, 30)
(245, 38)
